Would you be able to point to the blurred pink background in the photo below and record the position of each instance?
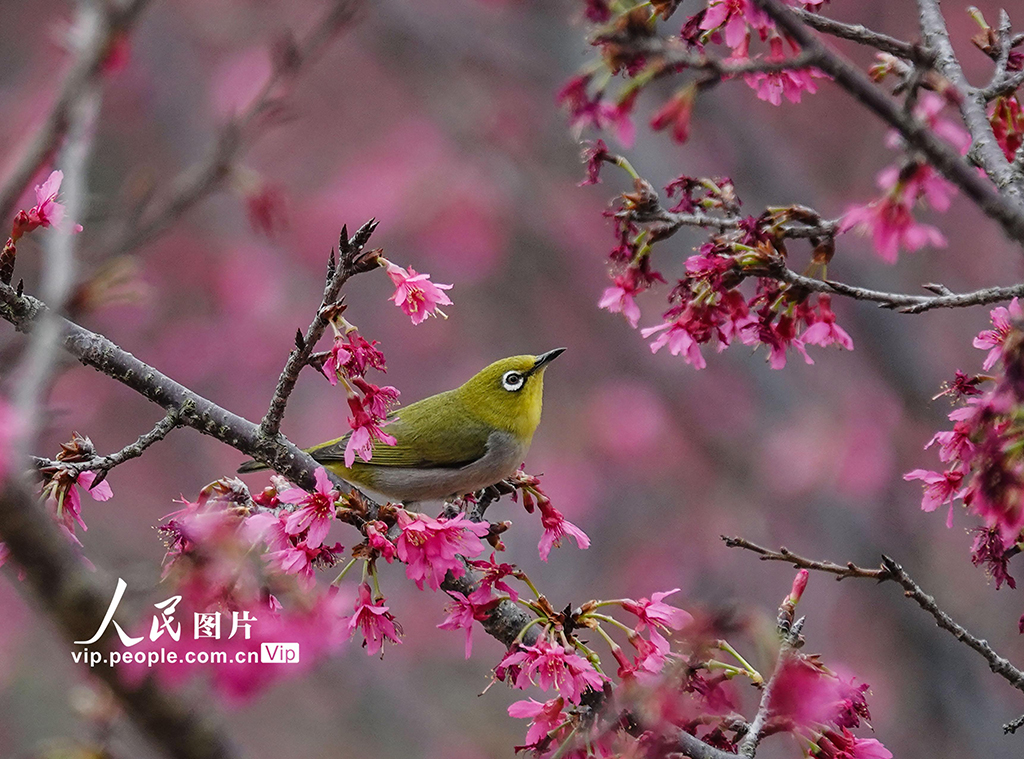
(438, 118)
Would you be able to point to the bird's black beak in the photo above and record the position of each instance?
(546, 358)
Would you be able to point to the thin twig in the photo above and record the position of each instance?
(103, 464)
(350, 263)
(667, 223)
(890, 570)
(198, 181)
(115, 21)
(940, 154)
(861, 35)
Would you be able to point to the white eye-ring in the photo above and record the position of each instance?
(512, 381)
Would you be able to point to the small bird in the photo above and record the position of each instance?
(452, 443)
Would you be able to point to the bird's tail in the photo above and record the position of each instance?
(252, 466)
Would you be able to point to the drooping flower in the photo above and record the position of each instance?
(824, 331)
(63, 491)
(374, 620)
(431, 547)
(620, 297)
(675, 114)
(546, 717)
(772, 86)
(992, 340)
(377, 540)
(939, 488)
(989, 549)
(462, 611)
(557, 527)
(367, 427)
(549, 666)
(415, 294)
(891, 226)
(734, 17)
(315, 510)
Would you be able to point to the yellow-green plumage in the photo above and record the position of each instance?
(453, 442)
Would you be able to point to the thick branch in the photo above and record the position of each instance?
(112, 22)
(73, 597)
(890, 570)
(985, 149)
(939, 153)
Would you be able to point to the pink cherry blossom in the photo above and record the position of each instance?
(415, 294)
(655, 612)
(432, 547)
(675, 114)
(557, 527)
(845, 745)
(824, 331)
(462, 612)
(772, 86)
(316, 509)
(377, 540)
(549, 666)
(992, 340)
(676, 335)
(891, 225)
(734, 17)
(619, 298)
(492, 579)
(374, 620)
(940, 488)
(366, 428)
(47, 212)
(546, 717)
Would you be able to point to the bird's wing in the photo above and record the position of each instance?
(423, 441)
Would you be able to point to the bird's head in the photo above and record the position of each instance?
(508, 393)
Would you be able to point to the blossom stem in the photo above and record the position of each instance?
(566, 744)
(612, 621)
(344, 571)
(527, 626)
(723, 645)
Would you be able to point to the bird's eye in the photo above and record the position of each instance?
(512, 381)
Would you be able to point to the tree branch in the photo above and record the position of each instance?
(985, 150)
(939, 153)
(862, 35)
(103, 464)
(351, 263)
(890, 570)
(113, 21)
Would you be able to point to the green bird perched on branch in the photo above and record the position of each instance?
(452, 443)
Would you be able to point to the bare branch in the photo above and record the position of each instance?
(862, 35)
(195, 183)
(890, 570)
(942, 155)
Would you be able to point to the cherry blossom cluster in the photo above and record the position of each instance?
(983, 455)
(677, 676)
(348, 360)
(707, 306)
(626, 36)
